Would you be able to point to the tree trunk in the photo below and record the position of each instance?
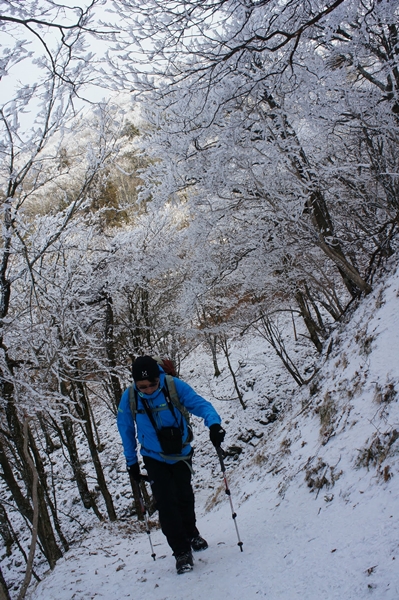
(84, 413)
(44, 490)
(4, 594)
(77, 467)
(273, 336)
(212, 340)
(315, 204)
(110, 349)
(225, 347)
(45, 530)
(311, 326)
(5, 530)
(50, 446)
(35, 520)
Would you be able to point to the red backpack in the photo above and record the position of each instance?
(167, 365)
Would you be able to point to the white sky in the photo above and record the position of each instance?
(26, 72)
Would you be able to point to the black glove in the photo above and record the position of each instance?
(134, 472)
(216, 434)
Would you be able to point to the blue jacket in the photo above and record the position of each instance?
(146, 435)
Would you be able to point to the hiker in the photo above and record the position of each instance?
(164, 437)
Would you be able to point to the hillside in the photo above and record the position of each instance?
(316, 490)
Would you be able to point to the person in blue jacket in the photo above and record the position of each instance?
(164, 438)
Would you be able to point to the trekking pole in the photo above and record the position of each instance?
(220, 454)
(143, 508)
(147, 524)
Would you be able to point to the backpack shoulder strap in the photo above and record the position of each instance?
(133, 401)
(174, 397)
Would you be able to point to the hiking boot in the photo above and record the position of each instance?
(198, 543)
(184, 562)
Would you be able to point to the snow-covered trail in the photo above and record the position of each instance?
(335, 540)
(303, 548)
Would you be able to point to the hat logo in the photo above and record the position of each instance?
(144, 374)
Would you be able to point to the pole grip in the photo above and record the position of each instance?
(221, 454)
(138, 498)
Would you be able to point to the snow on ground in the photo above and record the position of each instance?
(300, 549)
(316, 492)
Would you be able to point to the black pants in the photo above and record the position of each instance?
(171, 486)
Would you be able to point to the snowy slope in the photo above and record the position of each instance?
(316, 491)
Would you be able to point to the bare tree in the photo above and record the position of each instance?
(39, 208)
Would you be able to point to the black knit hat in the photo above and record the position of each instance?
(145, 367)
